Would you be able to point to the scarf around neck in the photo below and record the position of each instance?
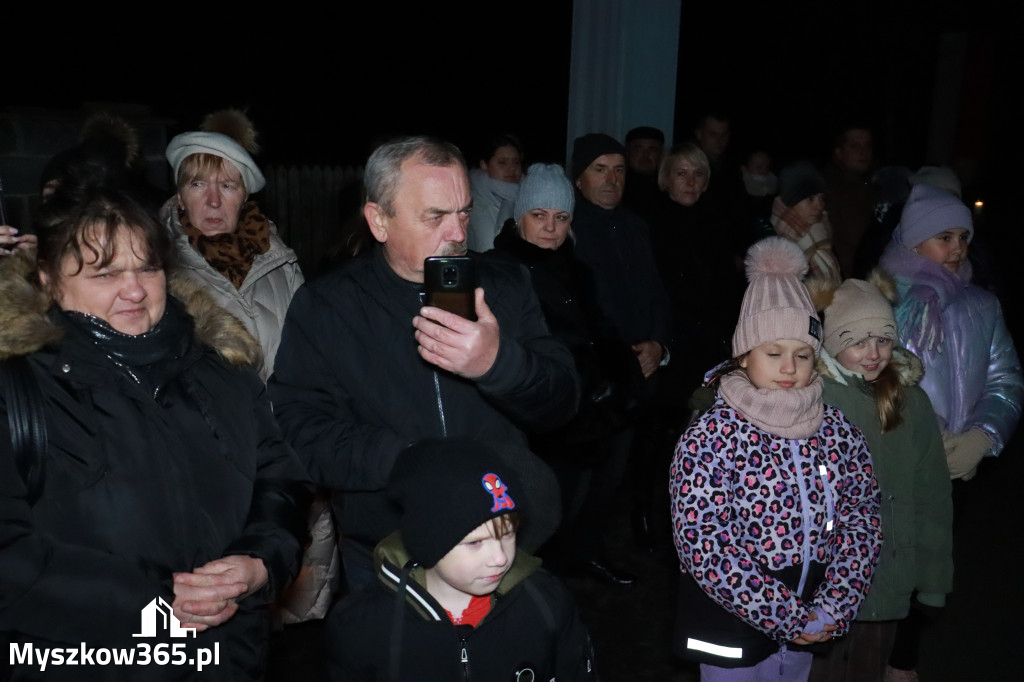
(232, 254)
(788, 412)
(931, 288)
(144, 356)
(814, 238)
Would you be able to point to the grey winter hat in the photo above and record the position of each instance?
(942, 177)
(199, 142)
(798, 182)
(545, 186)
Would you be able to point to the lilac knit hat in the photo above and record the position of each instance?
(929, 211)
(776, 304)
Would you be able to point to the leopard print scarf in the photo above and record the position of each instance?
(232, 254)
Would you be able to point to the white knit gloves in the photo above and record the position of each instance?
(964, 452)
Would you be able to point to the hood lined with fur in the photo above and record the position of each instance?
(908, 366)
(25, 327)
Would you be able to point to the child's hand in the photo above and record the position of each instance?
(817, 634)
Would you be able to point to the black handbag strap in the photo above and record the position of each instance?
(27, 421)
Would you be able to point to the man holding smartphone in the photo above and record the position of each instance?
(365, 368)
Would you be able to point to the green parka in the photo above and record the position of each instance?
(910, 465)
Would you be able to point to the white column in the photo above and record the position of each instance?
(623, 67)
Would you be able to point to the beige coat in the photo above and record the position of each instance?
(262, 300)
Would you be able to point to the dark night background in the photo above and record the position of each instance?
(322, 81)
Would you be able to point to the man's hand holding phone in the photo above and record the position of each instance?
(456, 344)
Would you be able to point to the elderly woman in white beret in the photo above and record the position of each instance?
(222, 240)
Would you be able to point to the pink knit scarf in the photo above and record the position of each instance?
(785, 412)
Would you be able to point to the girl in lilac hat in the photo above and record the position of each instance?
(972, 373)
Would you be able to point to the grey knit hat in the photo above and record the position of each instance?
(545, 186)
(776, 304)
(942, 177)
(199, 142)
(858, 310)
(930, 211)
(799, 181)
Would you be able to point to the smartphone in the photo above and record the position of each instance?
(450, 282)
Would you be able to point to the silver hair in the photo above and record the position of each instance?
(384, 167)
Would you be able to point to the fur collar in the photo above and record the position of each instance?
(25, 327)
(908, 367)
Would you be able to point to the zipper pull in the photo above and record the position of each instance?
(465, 656)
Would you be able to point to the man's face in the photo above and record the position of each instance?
(713, 136)
(643, 156)
(603, 180)
(855, 153)
(431, 214)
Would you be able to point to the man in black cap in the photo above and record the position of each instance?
(614, 242)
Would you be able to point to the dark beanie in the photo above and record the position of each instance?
(446, 488)
(590, 146)
(645, 133)
(798, 182)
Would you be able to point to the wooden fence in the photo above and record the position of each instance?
(309, 206)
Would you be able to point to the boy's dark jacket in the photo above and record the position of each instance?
(533, 623)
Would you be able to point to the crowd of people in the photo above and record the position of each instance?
(765, 358)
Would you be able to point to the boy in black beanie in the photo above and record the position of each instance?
(457, 599)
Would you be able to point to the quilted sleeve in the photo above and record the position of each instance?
(707, 514)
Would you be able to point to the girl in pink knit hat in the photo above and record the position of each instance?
(774, 504)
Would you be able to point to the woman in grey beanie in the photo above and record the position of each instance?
(539, 236)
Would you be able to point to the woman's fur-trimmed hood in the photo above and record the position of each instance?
(25, 327)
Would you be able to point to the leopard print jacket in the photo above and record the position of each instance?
(747, 505)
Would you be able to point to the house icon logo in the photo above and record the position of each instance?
(157, 615)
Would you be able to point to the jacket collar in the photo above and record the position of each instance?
(26, 328)
(390, 558)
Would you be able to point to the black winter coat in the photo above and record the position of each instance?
(139, 485)
(533, 623)
(351, 391)
(610, 375)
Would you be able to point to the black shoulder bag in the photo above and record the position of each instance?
(27, 421)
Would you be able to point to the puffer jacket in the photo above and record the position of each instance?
(533, 624)
(767, 529)
(910, 465)
(972, 372)
(261, 302)
(138, 484)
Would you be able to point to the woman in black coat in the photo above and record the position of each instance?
(539, 237)
(163, 487)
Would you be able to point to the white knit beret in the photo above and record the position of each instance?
(199, 142)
